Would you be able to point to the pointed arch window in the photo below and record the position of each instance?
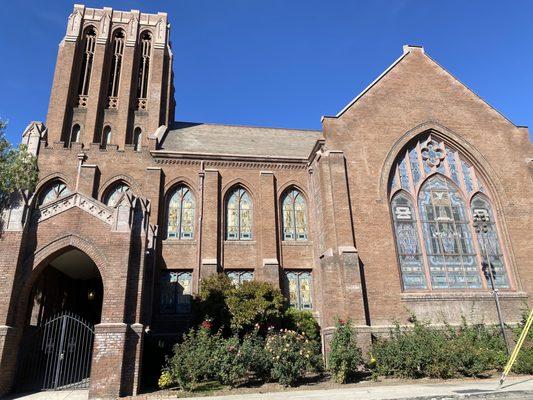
(116, 66)
(88, 43)
(54, 191)
(144, 70)
(137, 139)
(106, 137)
(294, 216)
(445, 226)
(239, 215)
(436, 245)
(74, 136)
(408, 243)
(113, 196)
(489, 243)
(181, 208)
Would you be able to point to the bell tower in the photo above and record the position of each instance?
(113, 79)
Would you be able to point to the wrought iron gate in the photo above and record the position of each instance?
(57, 355)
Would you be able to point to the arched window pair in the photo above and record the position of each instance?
(239, 215)
(438, 247)
(181, 207)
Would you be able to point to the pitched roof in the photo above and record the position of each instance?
(241, 141)
(407, 49)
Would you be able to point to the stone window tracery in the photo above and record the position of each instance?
(239, 215)
(106, 137)
(298, 286)
(114, 195)
(489, 242)
(116, 66)
(237, 277)
(144, 70)
(88, 43)
(436, 245)
(294, 211)
(408, 243)
(181, 207)
(74, 136)
(54, 191)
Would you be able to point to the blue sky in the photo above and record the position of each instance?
(286, 63)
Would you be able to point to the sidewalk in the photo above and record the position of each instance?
(515, 388)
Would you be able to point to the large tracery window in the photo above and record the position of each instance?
(294, 216)
(298, 289)
(89, 42)
(181, 214)
(239, 215)
(437, 248)
(54, 191)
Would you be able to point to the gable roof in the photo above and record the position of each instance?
(188, 139)
(407, 49)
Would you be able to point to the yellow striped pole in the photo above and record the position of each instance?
(517, 348)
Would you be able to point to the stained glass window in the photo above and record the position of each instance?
(450, 250)
(175, 292)
(408, 244)
(237, 277)
(298, 287)
(294, 216)
(115, 194)
(489, 244)
(239, 215)
(54, 191)
(181, 214)
(434, 238)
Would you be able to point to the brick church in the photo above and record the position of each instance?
(373, 217)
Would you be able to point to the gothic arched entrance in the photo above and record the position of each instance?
(64, 305)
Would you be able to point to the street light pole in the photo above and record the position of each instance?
(481, 225)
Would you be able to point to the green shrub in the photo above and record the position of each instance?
(427, 351)
(292, 356)
(344, 357)
(211, 303)
(255, 304)
(478, 349)
(194, 359)
(302, 322)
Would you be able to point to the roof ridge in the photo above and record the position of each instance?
(245, 126)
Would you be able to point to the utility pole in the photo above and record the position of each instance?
(481, 224)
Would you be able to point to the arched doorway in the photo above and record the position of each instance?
(64, 305)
